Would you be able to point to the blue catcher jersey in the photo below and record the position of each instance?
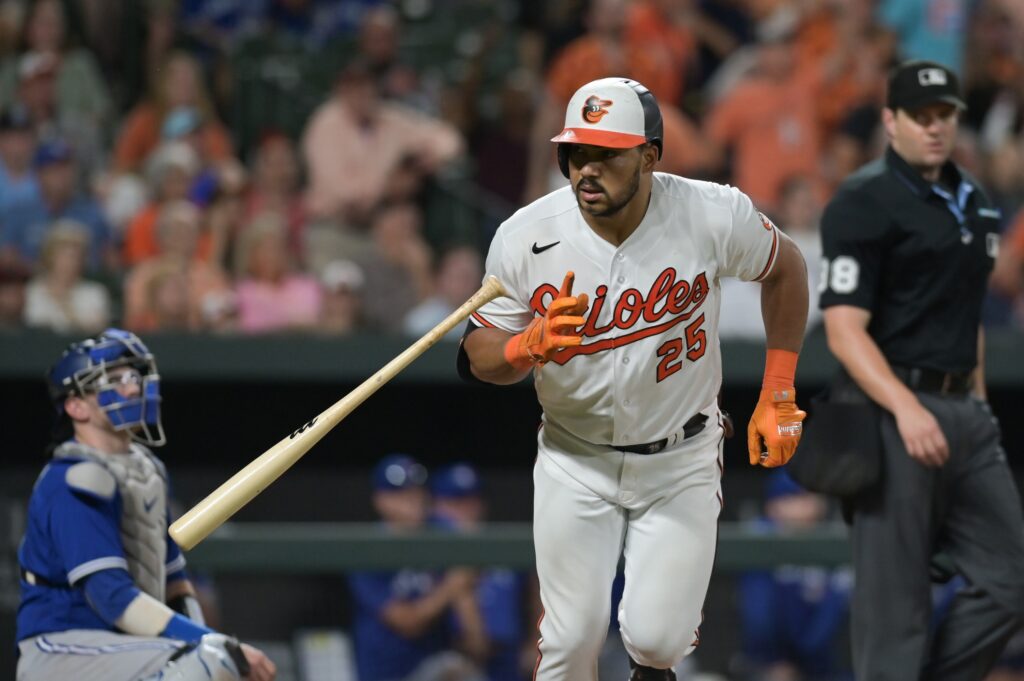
(381, 653)
(70, 534)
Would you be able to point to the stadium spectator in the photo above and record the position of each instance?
(208, 291)
(770, 114)
(58, 298)
(398, 269)
(403, 619)
(275, 187)
(180, 85)
(1007, 279)
(17, 147)
(379, 39)
(342, 310)
(170, 172)
(925, 29)
(793, 616)
(13, 282)
(271, 295)
(361, 151)
(80, 97)
(457, 277)
(23, 227)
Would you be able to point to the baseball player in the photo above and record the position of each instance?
(403, 620)
(627, 372)
(104, 594)
(459, 504)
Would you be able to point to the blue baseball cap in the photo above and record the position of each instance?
(456, 481)
(52, 151)
(780, 485)
(397, 472)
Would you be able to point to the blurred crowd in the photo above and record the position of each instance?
(333, 166)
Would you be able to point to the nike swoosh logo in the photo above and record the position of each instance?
(540, 249)
(148, 504)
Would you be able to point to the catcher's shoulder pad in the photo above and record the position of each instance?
(91, 479)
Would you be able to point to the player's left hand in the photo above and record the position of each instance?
(775, 428)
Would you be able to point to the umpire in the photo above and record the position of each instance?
(909, 241)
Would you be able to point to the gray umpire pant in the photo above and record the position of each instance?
(970, 510)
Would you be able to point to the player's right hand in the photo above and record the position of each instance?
(547, 335)
(261, 668)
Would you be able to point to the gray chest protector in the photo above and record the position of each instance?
(142, 483)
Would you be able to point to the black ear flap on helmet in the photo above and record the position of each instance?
(563, 159)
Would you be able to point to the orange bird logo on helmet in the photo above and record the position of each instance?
(594, 108)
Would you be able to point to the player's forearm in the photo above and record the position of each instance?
(474, 640)
(486, 351)
(413, 618)
(784, 299)
(864, 361)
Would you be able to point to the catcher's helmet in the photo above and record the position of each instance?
(82, 368)
(610, 112)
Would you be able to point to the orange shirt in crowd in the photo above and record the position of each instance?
(140, 240)
(585, 59)
(840, 82)
(141, 135)
(685, 148)
(773, 132)
(648, 26)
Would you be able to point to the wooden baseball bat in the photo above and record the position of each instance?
(243, 486)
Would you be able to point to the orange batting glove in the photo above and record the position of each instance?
(546, 335)
(775, 428)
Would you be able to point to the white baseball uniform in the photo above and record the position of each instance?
(649, 362)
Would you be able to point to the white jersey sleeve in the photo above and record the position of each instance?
(510, 312)
(750, 247)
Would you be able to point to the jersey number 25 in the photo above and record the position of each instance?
(696, 345)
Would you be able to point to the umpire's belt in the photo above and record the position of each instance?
(935, 381)
(689, 429)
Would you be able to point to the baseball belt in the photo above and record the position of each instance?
(689, 429)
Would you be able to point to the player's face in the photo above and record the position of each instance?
(127, 381)
(925, 136)
(604, 179)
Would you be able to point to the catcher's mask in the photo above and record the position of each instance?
(86, 367)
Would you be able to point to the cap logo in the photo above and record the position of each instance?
(594, 109)
(928, 77)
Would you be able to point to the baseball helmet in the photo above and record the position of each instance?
(83, 367)
(610, 112)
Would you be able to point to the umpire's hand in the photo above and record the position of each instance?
(922, 435)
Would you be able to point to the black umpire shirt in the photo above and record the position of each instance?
(916, 255)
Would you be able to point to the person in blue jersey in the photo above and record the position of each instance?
(793, 617)
(501, 593)
(403, 620)
(104, 593)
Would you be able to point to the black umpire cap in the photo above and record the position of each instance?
(914, 84)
